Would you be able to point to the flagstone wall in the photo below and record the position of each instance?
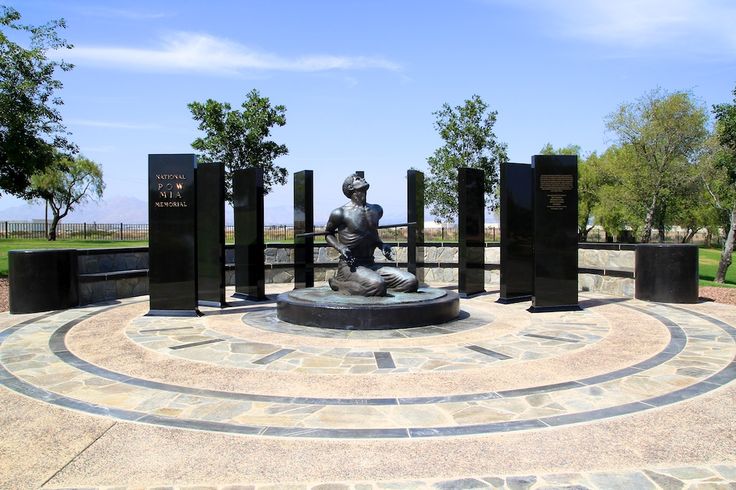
(106, 274)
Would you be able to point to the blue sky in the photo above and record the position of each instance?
(360, 79)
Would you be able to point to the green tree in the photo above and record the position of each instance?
(721, 167)
(68, 182)
(589, 180)
(239, 139)
(665, 131)
(691, 209)
(467, 131)
(618, 206)
(30, 123)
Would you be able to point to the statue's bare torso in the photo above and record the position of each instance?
(357, 228)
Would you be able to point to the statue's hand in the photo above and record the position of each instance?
(347, 254)
(387, 251)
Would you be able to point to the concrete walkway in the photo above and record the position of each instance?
(622, 394)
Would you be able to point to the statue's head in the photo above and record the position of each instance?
(353, 182)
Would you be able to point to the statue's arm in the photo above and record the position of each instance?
(386, 250)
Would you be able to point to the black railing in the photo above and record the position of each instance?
(75, 231)
(285, 233)
(139, 232)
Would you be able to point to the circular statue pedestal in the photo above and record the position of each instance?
(322, 307)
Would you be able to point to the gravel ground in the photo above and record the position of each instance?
(4, 295)
(719, 295)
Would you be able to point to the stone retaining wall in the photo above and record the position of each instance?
(607, 268)
(107, 274)
(110, 273)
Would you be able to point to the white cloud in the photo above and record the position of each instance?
(677, 26)
(111, 124)
(203, 53)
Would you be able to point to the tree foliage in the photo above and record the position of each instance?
(617, 209)
(467, 131)
(30, 123)
(68, 182)
(664, 132)
(720, 176)
(239, 139)
(726, 132)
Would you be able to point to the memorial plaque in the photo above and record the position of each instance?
(471, 232)
(555, 232)
(211, 234)
(517, 222)
(303, 223)
(415, 214)
(250, 272)
(172, 236)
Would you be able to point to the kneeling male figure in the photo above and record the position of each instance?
(352, 230)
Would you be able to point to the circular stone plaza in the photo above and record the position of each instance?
(621, 394)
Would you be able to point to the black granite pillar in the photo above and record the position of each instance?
(517, 221)
(555, 232)
(303, 223)
(667, 273)
(250, 270)
(172, 236)
(42, 280)
(415, 214)
(211, 234)
(471, 231)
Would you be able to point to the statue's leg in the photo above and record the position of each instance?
(398, 280)
(360, 282)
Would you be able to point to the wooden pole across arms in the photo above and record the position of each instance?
(319, 233)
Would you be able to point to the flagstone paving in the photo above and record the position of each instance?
(497, 370)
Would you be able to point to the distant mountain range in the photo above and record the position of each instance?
(123, 209)
(130, 210)
(114, 210)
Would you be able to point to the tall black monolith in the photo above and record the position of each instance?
(471, 232)
(303, 223)
(555, 232)
(415, 214)
(172, 235)
(250, 273)
(211, 234)
(517, 218)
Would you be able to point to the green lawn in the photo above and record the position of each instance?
(6, 245)
(709, 258)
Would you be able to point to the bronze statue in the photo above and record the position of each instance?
(352, 230)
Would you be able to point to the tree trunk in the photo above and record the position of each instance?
(689, 235)
(583, 234)
(727, 250)
(52, 228)
(646, 235)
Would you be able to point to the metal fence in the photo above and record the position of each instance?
(139, 232)
(75, 231)
(285, 233)
(673, 236)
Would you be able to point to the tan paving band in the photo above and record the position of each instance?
(614, 351)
